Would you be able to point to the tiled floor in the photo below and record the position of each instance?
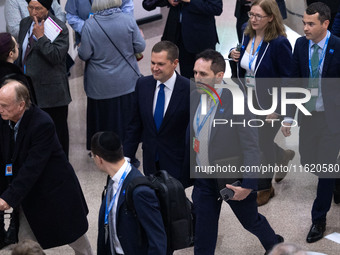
(288, 212)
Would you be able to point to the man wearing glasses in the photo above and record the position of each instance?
(44, 60)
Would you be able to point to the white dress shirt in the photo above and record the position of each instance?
(168, 89)
(116, 178)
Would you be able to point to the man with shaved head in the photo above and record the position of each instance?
(45, 188)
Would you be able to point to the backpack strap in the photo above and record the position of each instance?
(138, 181)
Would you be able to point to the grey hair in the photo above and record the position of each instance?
(21, 91)
(100, 5)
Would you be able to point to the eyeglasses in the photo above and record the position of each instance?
(258, 17)
(38, 9)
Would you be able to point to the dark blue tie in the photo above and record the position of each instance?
(159, 110)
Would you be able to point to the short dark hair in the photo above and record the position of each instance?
(169, 47)
(217, 60)
(321, 8)
(108, 146)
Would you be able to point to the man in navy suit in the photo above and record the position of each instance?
(319, 140)
(332, 4)
(191, 26)
(212, 143)
(121, 231)
(45, 188)
(163, 139)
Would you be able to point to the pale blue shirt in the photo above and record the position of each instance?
(15, 128)
(319, 106)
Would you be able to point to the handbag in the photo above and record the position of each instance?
(138, 74)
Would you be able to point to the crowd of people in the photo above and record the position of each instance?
(125, 109)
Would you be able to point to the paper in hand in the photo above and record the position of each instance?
(52, 29)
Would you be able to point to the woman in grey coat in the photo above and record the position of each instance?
(111, 71)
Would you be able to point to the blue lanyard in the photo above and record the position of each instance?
(200, 126)
(322, 55)
(252, 57)
(109, 208)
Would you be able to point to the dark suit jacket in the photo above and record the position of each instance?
(197, 28)
(273, 61)
(332, 4)
(329, 87)
(230, 141)
(169, 141)
(198, 24)
(46, 65)
(240, 3)
(44, 182)
(140, 234)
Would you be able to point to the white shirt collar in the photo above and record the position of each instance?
(321, 44)
(170, 84)
(120, 172)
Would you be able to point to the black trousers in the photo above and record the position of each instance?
(59, 117)
(319, 146)
(187, 59)
(207, 210)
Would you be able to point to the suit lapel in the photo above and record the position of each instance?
(148, 101)
(22, 131)
(328, 56)
(261, 52)
(121, 198)
(220, 113)
(175, 101)
(23, 31)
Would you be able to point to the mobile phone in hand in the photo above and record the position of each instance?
(227, 193)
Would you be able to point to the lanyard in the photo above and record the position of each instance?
(109, 208)
(200, 126)
(322, 55)
(252, 57)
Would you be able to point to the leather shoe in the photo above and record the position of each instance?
(280, 239)
(263, 196)
(288, 155)
(316, 232)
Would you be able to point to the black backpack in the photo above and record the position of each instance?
(174, 205)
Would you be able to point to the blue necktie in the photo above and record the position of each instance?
(159, 110)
